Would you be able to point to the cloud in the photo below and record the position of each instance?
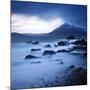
(34, 24)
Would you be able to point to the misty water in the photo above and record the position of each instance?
(45, 71)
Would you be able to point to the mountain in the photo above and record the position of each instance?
(63, 31)
(66, 29)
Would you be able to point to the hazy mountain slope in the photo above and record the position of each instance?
(65, 30)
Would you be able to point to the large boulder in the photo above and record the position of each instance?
(30, 57)
(78, 76)
(49, 52)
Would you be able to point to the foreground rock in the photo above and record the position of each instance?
(30, 57)
(48, 45)
(49, 52)
(35, 49)
(78, 76)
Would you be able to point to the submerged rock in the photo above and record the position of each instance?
(62, 43)
(35, 49)
(35, 42)
(49, 52)
(61, 62)
(36, 62)
(29, 42)
(48, 45)
(30, 57)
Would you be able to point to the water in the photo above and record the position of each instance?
(44, 71)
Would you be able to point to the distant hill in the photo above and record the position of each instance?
(62, 32)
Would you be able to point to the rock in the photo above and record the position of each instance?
(48, 45)
(62, 43)
(71, 67)
(36, 62)
(85, 54)
(35, 49)
(30, 57)
(55, 45)
(80, 42)
(78, 76)
(71, 37)
(77, 48)
(63, 50)
(78, 70)
(61, 62)
(49, 52)
(29, 42)
(35, 42)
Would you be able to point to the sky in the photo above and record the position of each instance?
(36, 18)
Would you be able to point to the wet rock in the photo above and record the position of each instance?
(63, 50)
(78, 76)
(80, 42)
(35, 49)
(72, 67)
(78, 48)
(62, 43)
(30, 57)
(85, 54)
(35, 42)
(48, 45)
(29, 42)
(78, 70)
(55, 45)
(71, 37)
(61, 62)
(49, 52)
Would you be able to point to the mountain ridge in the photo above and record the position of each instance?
(61, 32)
